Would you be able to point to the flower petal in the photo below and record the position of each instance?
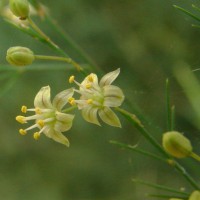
(63, 122)
(89, 113)
(109, 117)
(108, 78)
(57, 136)
(61, 99)
(113, 96)
(87, 80)
(42, 98)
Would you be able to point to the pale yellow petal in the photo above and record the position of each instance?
(108, 78)
(63, 122)
(61, 99)
(89, 113)
(42, 99)
(57, 136)
(113, 96)
(109, 117)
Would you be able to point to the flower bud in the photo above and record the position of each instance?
(195, 195)
(176, 144)
(19, 8)
(20, 56)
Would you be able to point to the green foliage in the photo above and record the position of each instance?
(150, 42)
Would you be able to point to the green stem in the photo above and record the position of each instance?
(161, 187)
(195, 156)
(133, 148)
(173, 117)
(187, 13)
(56, 58)
(55, 46)
(41, 33)
(186, 175)
(136, 122)
(70, 42)
(195, 7)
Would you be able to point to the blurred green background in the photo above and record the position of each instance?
(147, 39)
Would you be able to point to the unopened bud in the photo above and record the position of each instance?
(20, 56)
(176, 144)
(19, 8)
(195, 195)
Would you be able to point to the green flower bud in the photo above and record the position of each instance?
(20, 56)
(19, 8)
(176, 144)
(195, 195)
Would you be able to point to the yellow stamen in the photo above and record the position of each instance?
(88, 85)
(71, 79)
(21, 119)
(40, 123)
(90, 78)
(89, 101)
(71, 101)
(22, 131)
(38, 111)
(36, 135)
(24, 109)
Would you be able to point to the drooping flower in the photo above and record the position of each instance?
(48, 117)
(98, 98)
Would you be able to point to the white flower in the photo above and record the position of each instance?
(98, 97)
(49, 118)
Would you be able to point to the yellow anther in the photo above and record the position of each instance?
(36, 135)
(24, 109)
(21, 119)
(88, 85)
(89, 101)
(22, 131)
(38, 111)
(71, 101)
(90, 78)
(71, 79)
(40, 123)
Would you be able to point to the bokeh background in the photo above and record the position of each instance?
(147, 39)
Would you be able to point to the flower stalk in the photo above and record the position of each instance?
(138, 125)
(57, 58)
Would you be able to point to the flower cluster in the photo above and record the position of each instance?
(95, 98)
